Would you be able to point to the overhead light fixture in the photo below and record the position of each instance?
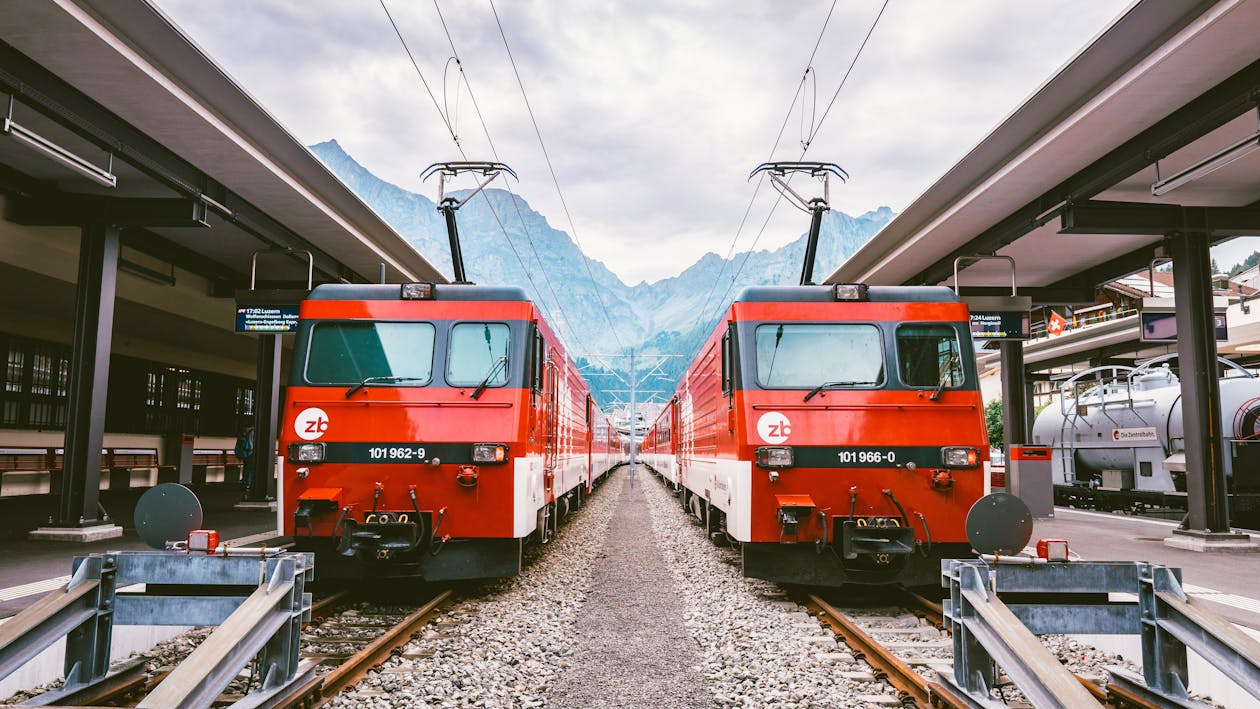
(101, 176)
(1206, 166)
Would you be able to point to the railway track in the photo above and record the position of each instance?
(372, 633)
(376, 633)
(910, 655)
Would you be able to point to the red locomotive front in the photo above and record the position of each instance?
(430, 430)
(836, 433)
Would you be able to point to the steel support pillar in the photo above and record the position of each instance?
(1014, 393)
(1200, 388)
(262, 463)
(78, 503)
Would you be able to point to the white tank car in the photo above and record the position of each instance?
(1120, 428)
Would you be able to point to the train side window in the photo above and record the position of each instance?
(929, 356)
(1144, 468)
(536, 359)
(728, 365)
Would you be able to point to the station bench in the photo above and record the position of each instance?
(37, 471)
(213, 465)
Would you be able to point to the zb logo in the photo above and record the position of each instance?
(311, 424)
(774, 427)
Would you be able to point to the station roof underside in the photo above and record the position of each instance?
(118, 85)
(1166, 82)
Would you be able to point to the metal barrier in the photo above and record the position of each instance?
(265, 624)
(987, 631)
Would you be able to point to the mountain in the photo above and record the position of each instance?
(654, 318)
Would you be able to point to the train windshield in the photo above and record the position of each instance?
(801, 355)
(479, 353)
(350, 352)
(928, 356)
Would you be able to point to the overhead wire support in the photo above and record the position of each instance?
(555, 180)
(449, 205)
(815, 206)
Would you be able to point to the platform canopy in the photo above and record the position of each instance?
(1164, 88)
(119, 91)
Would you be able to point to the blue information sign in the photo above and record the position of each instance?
(267, 318)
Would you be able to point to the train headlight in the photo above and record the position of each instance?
(959, 457)
(850, 291)
(489, 453)
(416, 291)
(775, 456)
(306, 452)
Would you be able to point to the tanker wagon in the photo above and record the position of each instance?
(1117, 441)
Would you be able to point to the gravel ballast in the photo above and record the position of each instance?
(631, 632)
(758, 648)
(507, 642)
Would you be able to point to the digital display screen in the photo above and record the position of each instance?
(267, 319)
(993, 325)
(1162, 327)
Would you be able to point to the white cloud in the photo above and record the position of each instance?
(653, 114)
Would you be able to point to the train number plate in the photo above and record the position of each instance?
(866, 456)
(397, 453)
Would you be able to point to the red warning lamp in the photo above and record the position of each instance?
(1052, 549)
(203, 540)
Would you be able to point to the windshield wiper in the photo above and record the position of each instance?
(946, 377)
(828, 385)
(481, 388)
(374, 380)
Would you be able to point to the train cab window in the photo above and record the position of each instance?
(929, 356)
(349, 352)
(806, 355)
(479, 353)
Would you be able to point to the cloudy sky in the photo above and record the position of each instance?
(653, 113)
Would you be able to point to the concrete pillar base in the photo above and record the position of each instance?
(1197, 540)
(252, 506)
(76, 534)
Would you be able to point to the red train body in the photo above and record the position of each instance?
(836, 434)
(431, 430)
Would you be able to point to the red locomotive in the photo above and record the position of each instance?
(835, 433)
(431, 430)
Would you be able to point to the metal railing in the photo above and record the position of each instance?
(988, 633)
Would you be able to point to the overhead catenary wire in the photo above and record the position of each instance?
(564, 318)
(807, 145)
(455, 139)
(700, 314)
(555, 180)
(445, 119)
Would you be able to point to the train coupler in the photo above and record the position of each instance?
(880, 538)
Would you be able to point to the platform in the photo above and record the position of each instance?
(30, 569)
(1229, 581)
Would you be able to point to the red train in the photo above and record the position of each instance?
(432, 430)
(834, 433)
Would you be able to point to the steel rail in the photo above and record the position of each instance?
(909, 683)
(319, 690)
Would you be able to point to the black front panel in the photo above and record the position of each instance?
(409, 453)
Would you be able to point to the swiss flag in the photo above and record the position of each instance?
(1056, 325)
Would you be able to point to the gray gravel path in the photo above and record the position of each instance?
(631, 638)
